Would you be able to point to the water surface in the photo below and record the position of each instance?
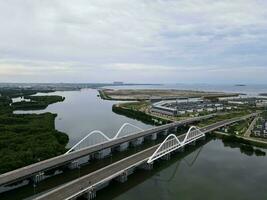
(211, 172)
(82, 112)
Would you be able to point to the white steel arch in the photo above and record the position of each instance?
(105, 137)
(172, 143)
(123, 126)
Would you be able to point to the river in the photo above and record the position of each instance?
(83, 111)
(213, 171)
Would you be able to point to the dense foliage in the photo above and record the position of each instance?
(19, 92)
(138, 115)
(36, 102)
(4, 105)
(27, 138)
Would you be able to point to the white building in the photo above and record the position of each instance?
(181, 112)
(261, 103)
(219, 108)
(200, 110)
(210, 109)
(190, 110)
(238, 102)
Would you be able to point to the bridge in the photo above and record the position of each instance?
(36, 170)
(88, 185)
(87, 141)
(172, 143)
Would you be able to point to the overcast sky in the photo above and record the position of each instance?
(143, 41)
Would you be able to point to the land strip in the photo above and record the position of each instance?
(147, 94)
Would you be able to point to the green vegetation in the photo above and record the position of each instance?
(264, 114)
(19, 92)
(130, 110)
(36, 102)
(103, 95)
(240, 127)
(222, 117)
(27, 138)
(4, 105)
(139, 105)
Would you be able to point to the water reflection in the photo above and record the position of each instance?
(212, 172)
(189, 160)
(246, 148)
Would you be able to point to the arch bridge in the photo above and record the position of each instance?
(173, 143)
(85, 141)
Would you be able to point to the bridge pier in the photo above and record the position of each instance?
(166, 157)
(203, 138)
(154, 136)
(138, 141)
(146, 166)
(38, 177)
(124, 146)
(91, 194)
(165, 132)
(73, 165)
(102, 185)
(224, 128)
(89, 158)
(181, 149)
(123, 177)
(103, 153)
(193, 143)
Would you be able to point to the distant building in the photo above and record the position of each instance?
(118, 83)
(183, 106)
(262, 103)
(200, 110)
(219, 108)
(210, 109)
(237, 102)
(155, 99)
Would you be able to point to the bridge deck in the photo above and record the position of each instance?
(81, 185)
(30, 170)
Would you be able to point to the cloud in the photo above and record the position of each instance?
(72, 40)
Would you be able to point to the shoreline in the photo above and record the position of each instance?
(160, 94)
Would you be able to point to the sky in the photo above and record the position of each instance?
(137, 41)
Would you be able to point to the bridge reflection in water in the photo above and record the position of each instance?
(163, 180)
(163, 174)
(88, 185)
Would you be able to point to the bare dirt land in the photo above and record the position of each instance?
(146, 94)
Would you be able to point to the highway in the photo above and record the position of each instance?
(81, 185)
(29, 171)
(251, 126)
